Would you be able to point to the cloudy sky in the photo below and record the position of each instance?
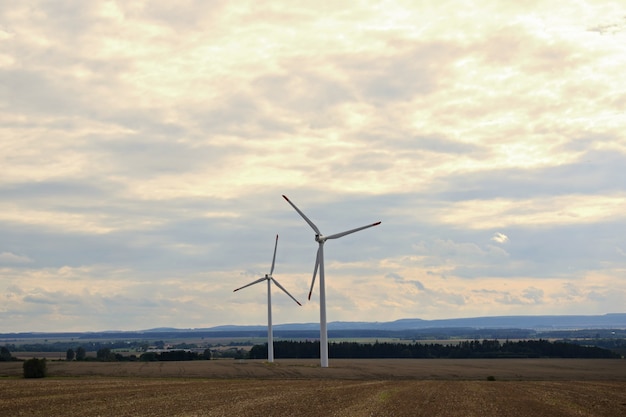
(145, 146)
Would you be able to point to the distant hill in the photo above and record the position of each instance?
(606, 321)
(501, 327)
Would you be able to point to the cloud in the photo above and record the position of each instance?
(11, 258)
(400, 280)
(500, 237)
(617, 26)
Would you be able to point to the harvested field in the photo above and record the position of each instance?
(546, 387)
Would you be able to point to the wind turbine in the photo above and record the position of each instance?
(269, 278)
(319, 263)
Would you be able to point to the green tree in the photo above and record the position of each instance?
(206, 354)
(105, 354)
(35, 368)
(81, 354)
(5, 354)
(69, 355)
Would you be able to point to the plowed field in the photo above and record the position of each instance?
(300, 388)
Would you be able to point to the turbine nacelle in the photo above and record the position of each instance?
(320, 238)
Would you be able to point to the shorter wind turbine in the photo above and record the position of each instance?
(319, 263)
(269, 278)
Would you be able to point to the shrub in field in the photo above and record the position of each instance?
(35, 368)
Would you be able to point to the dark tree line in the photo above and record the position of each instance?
(462, 350)
(175, 355)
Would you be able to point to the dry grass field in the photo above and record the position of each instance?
(530, 387)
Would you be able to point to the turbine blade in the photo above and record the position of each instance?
(338, 235)
(252, 283)
(317, 264)
(313, 226)
(274, 258)
(286, 292)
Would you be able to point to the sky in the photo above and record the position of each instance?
(145, 147)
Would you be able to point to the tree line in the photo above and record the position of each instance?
(175, 355)
(463, 350)
(64, 346)
(106, 355)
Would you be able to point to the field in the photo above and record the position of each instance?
(402, 387)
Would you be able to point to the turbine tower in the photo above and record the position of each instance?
(319, 263)
(269, 278)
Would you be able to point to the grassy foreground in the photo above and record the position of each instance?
(534, 387)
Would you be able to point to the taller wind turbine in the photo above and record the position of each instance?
(319, 263)
(269, 278)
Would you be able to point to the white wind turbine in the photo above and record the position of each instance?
(269, 278)
(319, 263)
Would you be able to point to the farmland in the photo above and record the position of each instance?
(529, 387)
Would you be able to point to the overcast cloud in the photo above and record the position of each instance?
(144, 148)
